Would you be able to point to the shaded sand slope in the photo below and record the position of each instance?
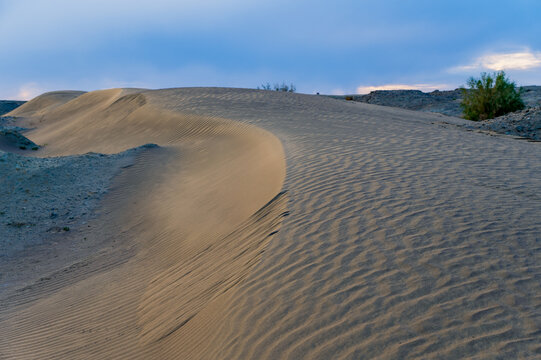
(181, 226)
(406, 238)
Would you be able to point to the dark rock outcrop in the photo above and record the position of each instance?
(444, 102)
(9, 105)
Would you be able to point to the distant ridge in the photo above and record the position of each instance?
(9, 105)
(445, 102)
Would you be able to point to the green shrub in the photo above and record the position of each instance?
(490, 96)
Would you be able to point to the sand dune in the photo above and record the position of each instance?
(43, 104)
(198, 205)
(405, 238)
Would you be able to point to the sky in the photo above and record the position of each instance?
(331, 47)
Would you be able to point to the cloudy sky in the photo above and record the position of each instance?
(348, 46)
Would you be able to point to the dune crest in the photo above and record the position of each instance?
(45, 103)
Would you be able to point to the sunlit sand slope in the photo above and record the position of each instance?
(405, 238)
(45, 103)
(179, 229)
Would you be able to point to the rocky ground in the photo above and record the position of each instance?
(525, 123)
(11, 138)
(444, 102)
(47, 202)
(50, 195)
(8, 105)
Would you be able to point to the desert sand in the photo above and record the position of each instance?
(268, 225)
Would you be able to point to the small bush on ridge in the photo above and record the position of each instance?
(277, 87)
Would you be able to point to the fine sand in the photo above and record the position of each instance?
(398, 237)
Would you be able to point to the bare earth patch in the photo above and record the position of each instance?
(44, 201)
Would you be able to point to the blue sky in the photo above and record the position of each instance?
(321, 46)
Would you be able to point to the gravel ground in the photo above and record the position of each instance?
(7, 122)
(525, 123)
(443, 102)
(8, 105)
(43, 196)
(11, 137)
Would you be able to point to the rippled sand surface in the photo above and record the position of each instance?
(398, 237)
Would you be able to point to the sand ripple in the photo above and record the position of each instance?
(404, 239)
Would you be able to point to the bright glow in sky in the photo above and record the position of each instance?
(321, 46)
(422, 87)
(522, 60)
